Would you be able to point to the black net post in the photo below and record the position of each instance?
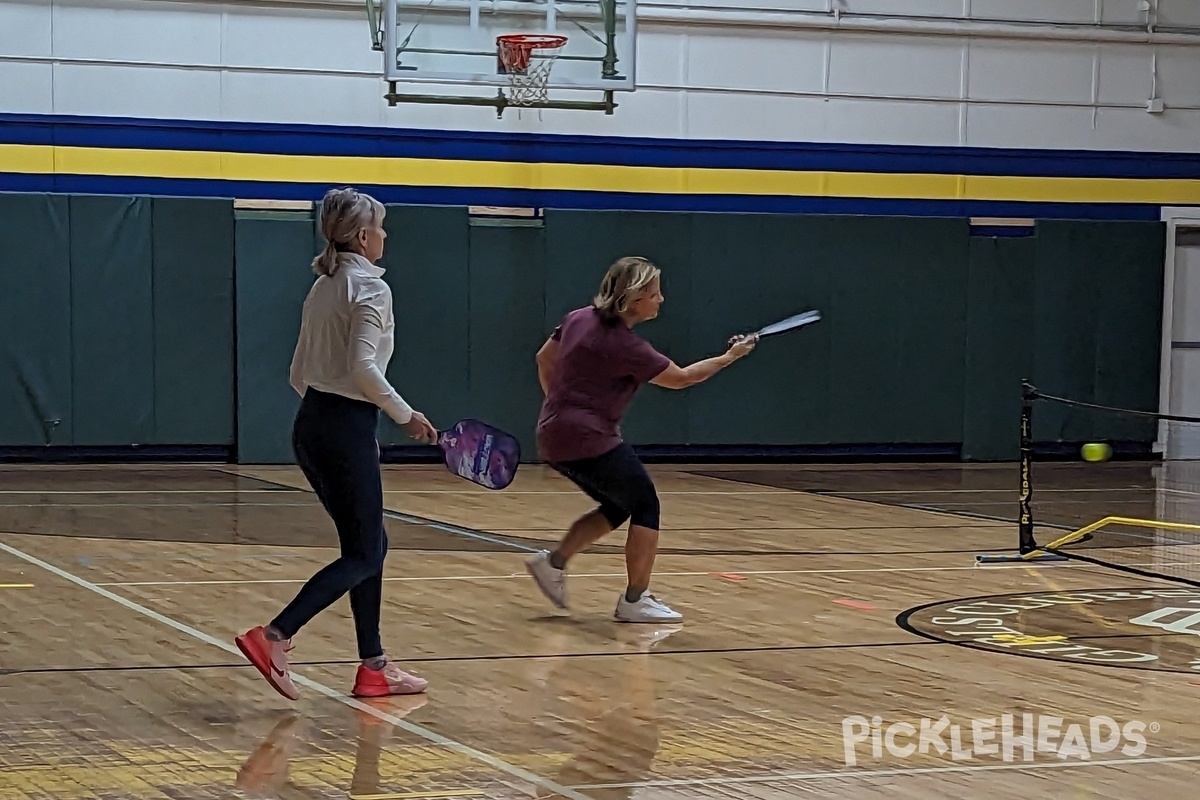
(1028, 551)
(1025, 517)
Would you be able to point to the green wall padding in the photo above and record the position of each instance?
(898, 321)
(274, 252)
(112, 321)
(35, 320)
(999, 345)
(927, 331)
(748, 272)
(580, 247)
(427, 258)
(193, 321)
(1097, 323)
(885, 365)
(507, 306)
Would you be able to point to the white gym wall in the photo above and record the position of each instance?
(1179, 383)
(1064, 74)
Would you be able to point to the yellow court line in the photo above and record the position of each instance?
(464, 173)
(16, 586)
(1075, 536)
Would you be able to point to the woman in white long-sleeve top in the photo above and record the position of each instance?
(346, 341)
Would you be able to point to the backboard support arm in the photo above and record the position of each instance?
(609, 66)
(500, 101)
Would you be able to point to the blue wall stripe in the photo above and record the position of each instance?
(625, 151)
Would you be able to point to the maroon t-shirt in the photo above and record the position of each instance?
(600, 367)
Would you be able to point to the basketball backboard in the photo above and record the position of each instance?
(457, 43)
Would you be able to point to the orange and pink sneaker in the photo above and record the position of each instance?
(270, 658)
(387, 681)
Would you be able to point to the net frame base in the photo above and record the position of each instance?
(1085, 534)
(1029, 552)
(1034, 557)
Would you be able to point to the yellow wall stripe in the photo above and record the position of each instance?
(266, 167)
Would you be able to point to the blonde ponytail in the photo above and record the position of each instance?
(344, 212)
(326, 262)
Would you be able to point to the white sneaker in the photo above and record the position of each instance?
(648, 608)
(552, 582)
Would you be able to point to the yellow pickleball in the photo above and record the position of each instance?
(1096, 451)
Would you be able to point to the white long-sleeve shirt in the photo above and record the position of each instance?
(347, 336)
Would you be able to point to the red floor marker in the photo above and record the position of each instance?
(861, 605)
(729, 576)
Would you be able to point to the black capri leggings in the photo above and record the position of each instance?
(619, 483)
(334, 441)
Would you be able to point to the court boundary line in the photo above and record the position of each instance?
(156, 505)
(298, 551)
(966, 515)
(284, 489)
(522, 575)
(782, 648)
(1043, 492)
(445, 527)
(490, 536)
(320, 688)
(833, 493)
(493, 538)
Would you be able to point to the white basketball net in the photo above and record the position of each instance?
(529, 60)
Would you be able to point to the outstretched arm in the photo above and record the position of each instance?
(677, 377)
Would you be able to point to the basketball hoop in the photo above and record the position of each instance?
(527, 60)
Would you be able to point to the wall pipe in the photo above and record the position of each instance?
(840, 19)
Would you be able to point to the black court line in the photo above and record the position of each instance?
(979, 516)
(923, 642)
(1041, 492)
(493, 537)
(950, 507)
(911, 506)
(594, 550)
(793, 528)
(413, 519)
(265, 484)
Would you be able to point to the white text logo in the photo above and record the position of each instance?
(1012, 738)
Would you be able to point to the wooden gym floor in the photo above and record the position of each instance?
(121, 589)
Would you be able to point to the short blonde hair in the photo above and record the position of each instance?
(344, 212)
(624, 279)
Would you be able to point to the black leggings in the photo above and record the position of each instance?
(619, 483)
(334, 441)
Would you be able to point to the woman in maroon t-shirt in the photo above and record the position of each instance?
(590, 368)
